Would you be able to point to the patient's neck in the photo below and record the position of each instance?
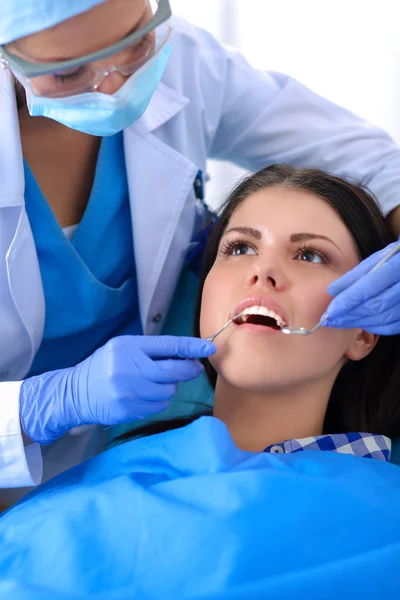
(257, 419)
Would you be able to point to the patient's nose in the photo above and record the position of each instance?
(268, 273)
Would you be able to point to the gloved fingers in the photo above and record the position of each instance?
(364, 289)
(169, 370)
(150, 392)
(177, 370)
(132, 407)
(169, 346)
(157, 406)
(384, 329)
(390, 298)
(378, 308)
(391, 329)
(336, 287)
(388, 321)
(145, 409)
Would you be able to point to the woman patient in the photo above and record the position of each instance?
(284, 236)
(229, 504)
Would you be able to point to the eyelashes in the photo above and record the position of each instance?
(323, 256)
(142, 47)
(241, 247)
(67, 77)
(229, 246)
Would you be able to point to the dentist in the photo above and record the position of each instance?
(109, 110)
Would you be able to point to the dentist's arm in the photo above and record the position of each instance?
(255, 118)
(131, 377)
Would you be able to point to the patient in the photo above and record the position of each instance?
(283, 236)
(230, 505)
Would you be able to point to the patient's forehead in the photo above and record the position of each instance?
(282, 211)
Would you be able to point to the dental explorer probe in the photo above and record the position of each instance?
(212, 337)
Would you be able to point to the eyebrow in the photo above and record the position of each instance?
(303, 237)
(255, 233)
(294, 238)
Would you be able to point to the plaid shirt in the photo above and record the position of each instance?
(358, 444)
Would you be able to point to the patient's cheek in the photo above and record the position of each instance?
(209, 322)
(205, 327)
(314, 304)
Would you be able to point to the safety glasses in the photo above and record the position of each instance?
(80, 75)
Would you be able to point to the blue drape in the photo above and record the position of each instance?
(186, 514)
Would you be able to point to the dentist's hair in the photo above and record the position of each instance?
(366, 393)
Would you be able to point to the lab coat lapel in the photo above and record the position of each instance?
(21, 296)
(160, 181)
(12, 183)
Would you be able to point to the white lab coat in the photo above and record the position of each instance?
(211, 103)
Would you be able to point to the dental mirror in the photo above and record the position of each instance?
(303, 330)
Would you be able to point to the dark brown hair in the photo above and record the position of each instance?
(366, 393)
(19, 94)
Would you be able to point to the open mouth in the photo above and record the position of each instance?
(260, 315)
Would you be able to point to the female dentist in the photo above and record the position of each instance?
(88, 164)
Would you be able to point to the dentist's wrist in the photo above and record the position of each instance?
(47, 409)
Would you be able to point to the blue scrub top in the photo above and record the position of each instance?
(89, 283)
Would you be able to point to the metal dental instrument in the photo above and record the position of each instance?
(212, 337)
(303, 331)
(393, 251)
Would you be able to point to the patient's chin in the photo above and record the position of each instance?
(251, 378)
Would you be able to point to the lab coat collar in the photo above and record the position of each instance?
(165, 104)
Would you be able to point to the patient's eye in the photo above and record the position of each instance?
(237, 248)
(312, 256)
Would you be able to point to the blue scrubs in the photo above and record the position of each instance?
(90, 284)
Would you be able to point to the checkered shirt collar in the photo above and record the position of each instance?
(366, 445)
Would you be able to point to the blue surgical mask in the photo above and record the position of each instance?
(100, 114)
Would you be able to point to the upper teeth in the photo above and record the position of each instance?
(262, 310)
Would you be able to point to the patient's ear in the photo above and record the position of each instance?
(361, 345)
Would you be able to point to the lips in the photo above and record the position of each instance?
(266, 301)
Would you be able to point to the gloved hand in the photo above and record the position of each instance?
(131, 377)
(371, 302)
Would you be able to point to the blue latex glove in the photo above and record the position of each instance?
(131, 377)
(371, 302)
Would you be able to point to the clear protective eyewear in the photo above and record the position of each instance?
(81, 75)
